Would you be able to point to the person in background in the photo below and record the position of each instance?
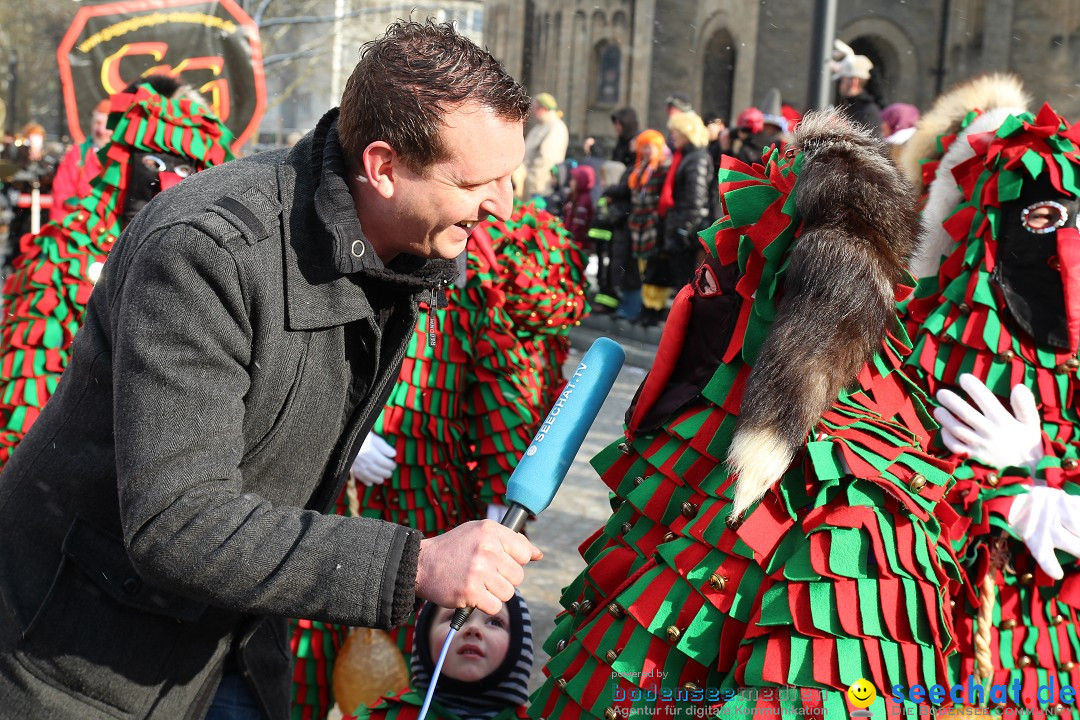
(80, 165)
(645, 181)
(684, 207)
(898, 125)
(32, 148)
(853, 73)
(545, 147)
(790, 114)
(578, 210)
(676, 104)
(774, 132)
(743, 141)
(625, 122)
(594, 153)
(485, 675)
(65, 259)
(37, 163)
(717, 127)
(8, 147)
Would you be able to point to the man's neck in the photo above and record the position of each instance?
(371, 222)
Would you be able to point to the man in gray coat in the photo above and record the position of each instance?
(164, 515)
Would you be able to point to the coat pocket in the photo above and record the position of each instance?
(289, 375)
(101, 634)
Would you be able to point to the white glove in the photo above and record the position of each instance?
(495, 512)
(991, 435)
(1047, 519)
(375, 461)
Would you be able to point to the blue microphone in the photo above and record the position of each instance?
(545, 463)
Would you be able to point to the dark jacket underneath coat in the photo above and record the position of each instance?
(165, 511)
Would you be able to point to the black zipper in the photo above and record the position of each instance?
(438, 301)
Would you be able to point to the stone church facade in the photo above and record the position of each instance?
(598, 55)
(595, 56)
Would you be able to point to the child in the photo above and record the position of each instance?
(485, 675)
(578, 210)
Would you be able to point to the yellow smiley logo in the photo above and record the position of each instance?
(862, 693)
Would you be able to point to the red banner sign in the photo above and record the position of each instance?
(211, 45)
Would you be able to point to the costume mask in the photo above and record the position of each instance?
(1036, 262)
(149, 174)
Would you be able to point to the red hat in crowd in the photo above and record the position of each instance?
(751, 119)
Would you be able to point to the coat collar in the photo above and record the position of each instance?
(328, 261)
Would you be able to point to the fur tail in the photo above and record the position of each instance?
(859, 229)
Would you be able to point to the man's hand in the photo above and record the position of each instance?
(375, 461)
(991, 435)
(477, 564)
(1047, 519)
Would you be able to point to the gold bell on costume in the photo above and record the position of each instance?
(369, 666)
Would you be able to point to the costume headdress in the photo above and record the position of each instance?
(991, 281)
(940, 144)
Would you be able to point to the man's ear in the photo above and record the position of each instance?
(379, 163)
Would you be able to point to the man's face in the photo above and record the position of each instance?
(850, 86)
(99, 130)
(436, 211)
(477, 650)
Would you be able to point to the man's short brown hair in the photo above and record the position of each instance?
(408, 78)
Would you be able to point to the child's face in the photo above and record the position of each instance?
(479, 647)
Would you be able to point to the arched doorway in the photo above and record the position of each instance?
(886, 73)
(718, 78)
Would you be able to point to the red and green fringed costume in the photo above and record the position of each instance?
(406, 706)
(960, 325)
(46, 295)
(464, 409)
(841, 572)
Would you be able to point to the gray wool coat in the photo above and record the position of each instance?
(165, 512)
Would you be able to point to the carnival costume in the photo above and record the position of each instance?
(821, 557)
(476, 382)
(998, 300)
(156, 142)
